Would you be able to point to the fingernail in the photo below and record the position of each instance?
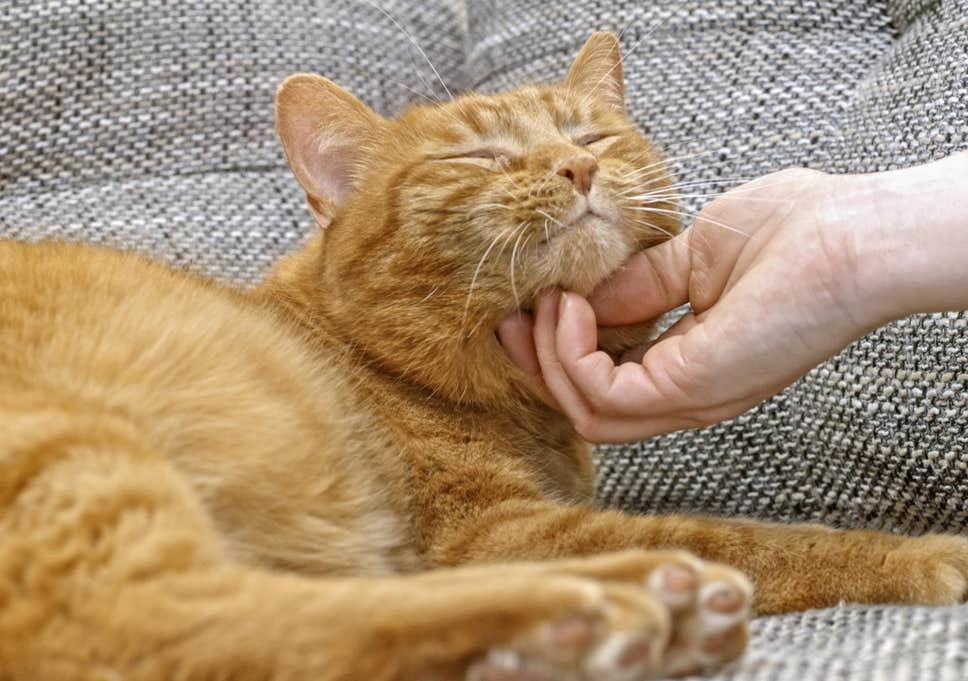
(562, 302)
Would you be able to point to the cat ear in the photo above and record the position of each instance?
(327, 134)
(598, 69)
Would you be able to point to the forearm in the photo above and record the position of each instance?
(911, 239)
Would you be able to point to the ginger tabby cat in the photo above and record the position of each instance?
(339, 475)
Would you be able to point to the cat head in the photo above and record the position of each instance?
(441, 222)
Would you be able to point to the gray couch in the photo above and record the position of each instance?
(148, 126)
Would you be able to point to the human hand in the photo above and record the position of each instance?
(780, 274)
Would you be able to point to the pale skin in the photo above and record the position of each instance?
(821, 260)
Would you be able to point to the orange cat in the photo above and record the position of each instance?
(201, 483)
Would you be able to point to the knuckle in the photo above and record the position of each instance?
(805, 175)
(599, 401)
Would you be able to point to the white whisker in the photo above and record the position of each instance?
(477, 270)
(431, 294)
(540, 184)
(696, 183)
(731, 194)
(510, 179)
(669, 161)
(623, 57)
(656, 228)
(557, 222)
(690, 215)
(431, 99)
(639, 224)
(413, 41)
(514, 288)
(482, 206)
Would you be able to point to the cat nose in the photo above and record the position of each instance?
(579, 171)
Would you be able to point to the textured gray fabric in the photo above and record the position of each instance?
(148, 126)
(104, 96)
(854, 643)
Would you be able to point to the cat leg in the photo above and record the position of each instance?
(794, 567)
(110, 569)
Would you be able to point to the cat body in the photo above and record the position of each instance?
(217, 385)
(339, 474)
(273, 426)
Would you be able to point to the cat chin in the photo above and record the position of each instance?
(594, 250)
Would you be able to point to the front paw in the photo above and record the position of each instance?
(929, 570)
(660, 614)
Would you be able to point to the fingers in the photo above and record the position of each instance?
(682, 325)
(652, 282)
(555, 378)
(605, 403)
(516, 335)
(716, 246)
(627, 390)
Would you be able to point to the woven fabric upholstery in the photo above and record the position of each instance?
(857, 643)
(148, 126)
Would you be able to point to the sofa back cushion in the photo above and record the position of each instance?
(100, 91)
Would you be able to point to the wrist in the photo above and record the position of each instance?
(908, 231)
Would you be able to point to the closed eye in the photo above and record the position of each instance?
(483, 156)
(590, 138)
(480, 153)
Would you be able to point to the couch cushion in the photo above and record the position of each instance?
(232, 225)
(850, 643)
(149, 126)
(104, 90)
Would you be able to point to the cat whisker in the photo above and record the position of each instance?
(431, 99)
(476, 326)
(656, 228)
(481, 206)
(431, 294)
(477, 270)
(663, 164)
(624, 57)
(413, 41)
(548, 217)
(653, 228)
(694, 184)
(669, 193)
(540, 184)
(745, 184)
(514, 288)
(697, 183)
(691, 215)
(507, 192)
(731, 194)
(511, 179)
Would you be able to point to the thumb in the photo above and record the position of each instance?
(651, 282)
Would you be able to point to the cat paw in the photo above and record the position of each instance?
(659, 614)
(929, 570)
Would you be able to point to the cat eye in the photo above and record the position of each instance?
(591, 138)
(482, 153)
(501, 158)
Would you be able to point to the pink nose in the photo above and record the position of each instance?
(579, 171)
